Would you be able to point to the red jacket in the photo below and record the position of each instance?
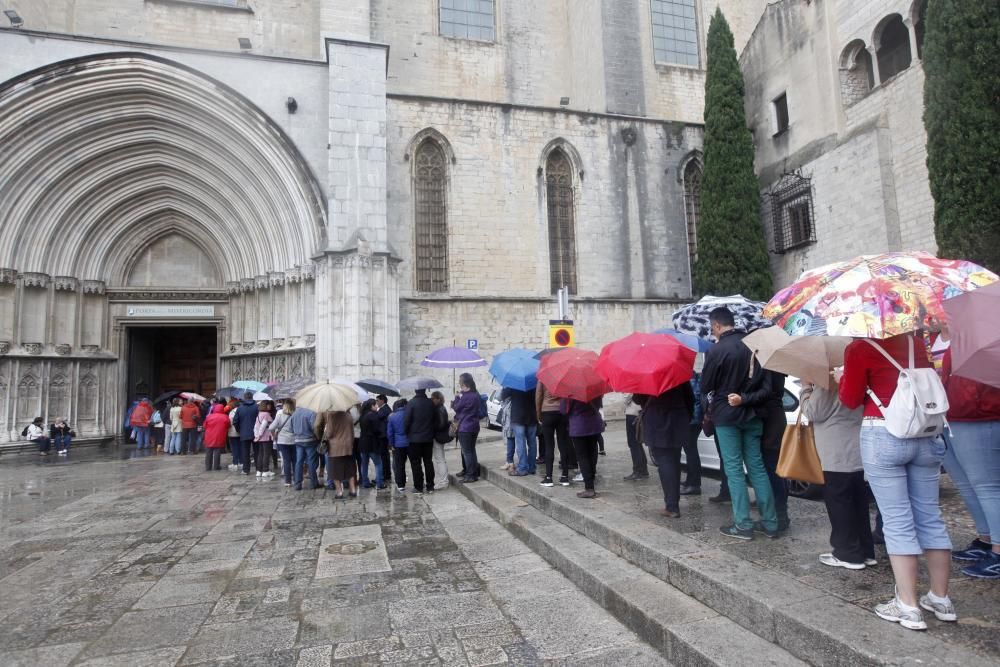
(968, 400)
(141, 414)
(216, 428)
(190, 415)
(865, 367)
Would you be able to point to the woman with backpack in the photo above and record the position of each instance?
(284, 438)
(35, 431)
(903, 474)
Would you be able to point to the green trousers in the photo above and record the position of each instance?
(740, 445)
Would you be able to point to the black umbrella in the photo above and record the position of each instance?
(166, 396)
(378, 386)
(418, 382)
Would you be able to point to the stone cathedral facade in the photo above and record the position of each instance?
(198, 191)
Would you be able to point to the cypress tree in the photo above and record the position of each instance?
(962, 117)
(732, 252)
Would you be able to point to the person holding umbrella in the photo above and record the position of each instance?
(665, 420)
(524, 423)
(466, 406)
(555, 432)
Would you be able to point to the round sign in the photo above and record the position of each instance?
(562, 338)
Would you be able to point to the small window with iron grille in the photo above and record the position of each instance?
(789, 204)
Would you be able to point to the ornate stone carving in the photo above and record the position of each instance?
(4, 346)
(262, 344)
(233, 287)
(308, 271)
(232, 349)
(65, 283)
(295, 368)
(294, 274)
(310, 340)
(8, 276)
(93, 286)
(276, 278)
(33, 348)
(247, 285)
(248, 347)
(260, 282)
(63, 349)
(90, 349)
(629, 135)
(293, 341)
(310, 365)
(277, 343)
(32, 279)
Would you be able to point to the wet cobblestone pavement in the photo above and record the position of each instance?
(111, 559)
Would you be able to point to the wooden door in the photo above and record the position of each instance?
(187, 359)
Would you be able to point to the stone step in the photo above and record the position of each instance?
(686, 631)
(810, 624)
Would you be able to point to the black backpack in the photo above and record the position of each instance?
(24, 432)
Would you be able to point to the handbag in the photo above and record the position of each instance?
(707, 424)
(453, 428)
(798, 459)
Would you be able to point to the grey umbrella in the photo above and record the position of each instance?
(378, 386)
(418, 382)
(288, 388)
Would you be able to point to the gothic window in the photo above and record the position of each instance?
(675, 32)
(59, 396)
(562, 223)
(87, 398)
(857, 76)
(431, 222)
(893, 52)
(789, 204)
(692, 205)
(468, 19)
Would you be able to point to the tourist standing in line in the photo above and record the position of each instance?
(555, 432)
(142, 415)
(62, 435)
(507, 431)
(524, 424)
(467, 406)
(303, 423)
(190, 420)
(396, 434)
(420, 421)
(441, 438)
(665, 420)
(640, 466)
(216, 428)
(729, 365)
(263, 440)
(35, 432)
(234, 436)
(904, 475)
(766, 398)
(370, 444)
(691, 486)
(246, 418)
(176, 428)
(973, 462)
(337, 430)
(585, 424)
(157, 433)
(382, 406)
(281, 428)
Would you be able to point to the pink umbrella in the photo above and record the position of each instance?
(974, 325)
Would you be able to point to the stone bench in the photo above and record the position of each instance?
(21, 446)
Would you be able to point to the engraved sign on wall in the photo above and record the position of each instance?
(165, 310)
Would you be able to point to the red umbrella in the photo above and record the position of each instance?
(642, 363)
(570, 373)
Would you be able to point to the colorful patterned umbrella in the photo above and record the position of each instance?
(874, 296)
(693, 318)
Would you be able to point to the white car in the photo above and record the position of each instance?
(493, 410)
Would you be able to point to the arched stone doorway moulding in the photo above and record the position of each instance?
(101, 158)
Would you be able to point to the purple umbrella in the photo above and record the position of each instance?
(453, 357)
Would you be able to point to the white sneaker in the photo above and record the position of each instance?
(269, 474)
(260, 474)
(945, 611)
(911, 619)
(833, 561)
(870, 562)
(506, 466)
(231, 467)
(401, 490)
(578, 478)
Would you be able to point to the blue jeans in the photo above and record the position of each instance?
(287, 461)
(904, 476)
(174, 444)
(62, 442)
(375, 458)
(973, 461)
(141, 437)
(740, 445)
(236, 449)
(305, 452)
(510, 449)
(527, 446)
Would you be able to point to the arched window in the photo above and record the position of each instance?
(431, 218)
(857, 76)
(893, 48)
(562, 221)
(692, 205)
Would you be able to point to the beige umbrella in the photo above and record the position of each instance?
(809, 358)
(327, 396)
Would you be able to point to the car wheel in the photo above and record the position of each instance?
(805, 490)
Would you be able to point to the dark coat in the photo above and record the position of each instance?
(246, 419)
(522, 406)
(371, 433)
(728, 371)
(420, 419)
(383, 417)
(584, 418)
(764, 397)
(666, 418)
(466, 408)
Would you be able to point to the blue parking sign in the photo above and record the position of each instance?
(472, 344)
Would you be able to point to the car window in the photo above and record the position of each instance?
(789, 402)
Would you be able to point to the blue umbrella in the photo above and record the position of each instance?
(516, 369)
(250, 385)
(687, 340)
